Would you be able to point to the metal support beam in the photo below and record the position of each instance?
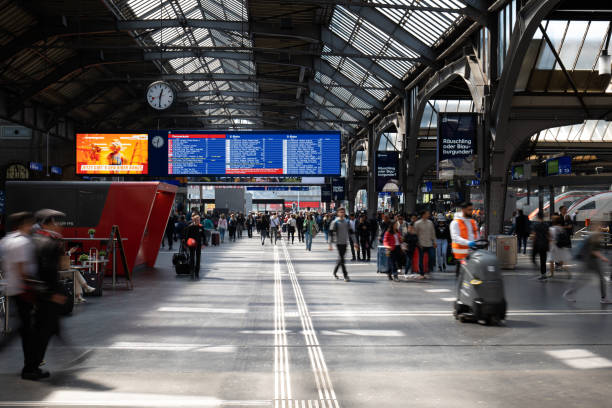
(81, 100)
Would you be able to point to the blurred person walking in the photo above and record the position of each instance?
(341, 232)
(560, 245)
(588, 253)
(19, 265)
(49, 247)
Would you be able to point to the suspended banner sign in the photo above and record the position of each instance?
(387, 169)
(456, 145)
(338, 189)
(326, 193)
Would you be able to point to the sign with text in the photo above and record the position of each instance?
(338, 188)
(559, 166)
(387, 168)
(456, 145)
(245, 153)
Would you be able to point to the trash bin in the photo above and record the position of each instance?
(506, 251)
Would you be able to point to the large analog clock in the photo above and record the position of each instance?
(160, 95)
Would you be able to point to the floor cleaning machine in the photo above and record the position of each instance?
(480, 288)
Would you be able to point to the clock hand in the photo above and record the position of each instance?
(160, 95)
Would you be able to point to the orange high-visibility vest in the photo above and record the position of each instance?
(460, 251)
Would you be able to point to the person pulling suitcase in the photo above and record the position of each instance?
(194, 238)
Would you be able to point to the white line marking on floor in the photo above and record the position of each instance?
(282, 376)
(417, 313)
(448, 299)
(364, 333)
(327, 395)
(201, 310)
(124, 399)
(205, 348)
(437, 290)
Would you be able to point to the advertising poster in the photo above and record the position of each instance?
(456, 145)
(387, 168)
(338, 189)
(112, 153)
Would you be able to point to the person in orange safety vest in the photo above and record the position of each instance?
(464, 233)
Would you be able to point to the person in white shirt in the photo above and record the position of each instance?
(19, 265)
(274, 228)
(291, 226)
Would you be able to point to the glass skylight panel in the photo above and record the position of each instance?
(572, 43)
(428, 26)
(592, 44)
(143, 7)
(188, 5)
(212, 7)
(555, 30)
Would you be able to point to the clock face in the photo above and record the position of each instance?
(160, 95)
(157, 141)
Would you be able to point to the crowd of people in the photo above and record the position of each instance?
(414, 245)
(552, 245)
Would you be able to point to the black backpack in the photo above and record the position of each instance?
(563, 239)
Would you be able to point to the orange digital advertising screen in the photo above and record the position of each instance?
(112, 153)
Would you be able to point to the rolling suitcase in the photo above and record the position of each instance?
(67, 289)
(180, 261)
(214, 238)
(95, 280)
(382, 261)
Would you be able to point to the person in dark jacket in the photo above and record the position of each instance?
(250, 223)
(263, 225)
(362, 232)
(443, 237)
(300, 226)
(49, 247)
(410, 243)
(195, 231)
(522, 230)
(169, 235)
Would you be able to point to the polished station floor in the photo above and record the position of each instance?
(268, 326)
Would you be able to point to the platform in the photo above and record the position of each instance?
(269, 327)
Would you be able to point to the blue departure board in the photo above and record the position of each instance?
(296, 153)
